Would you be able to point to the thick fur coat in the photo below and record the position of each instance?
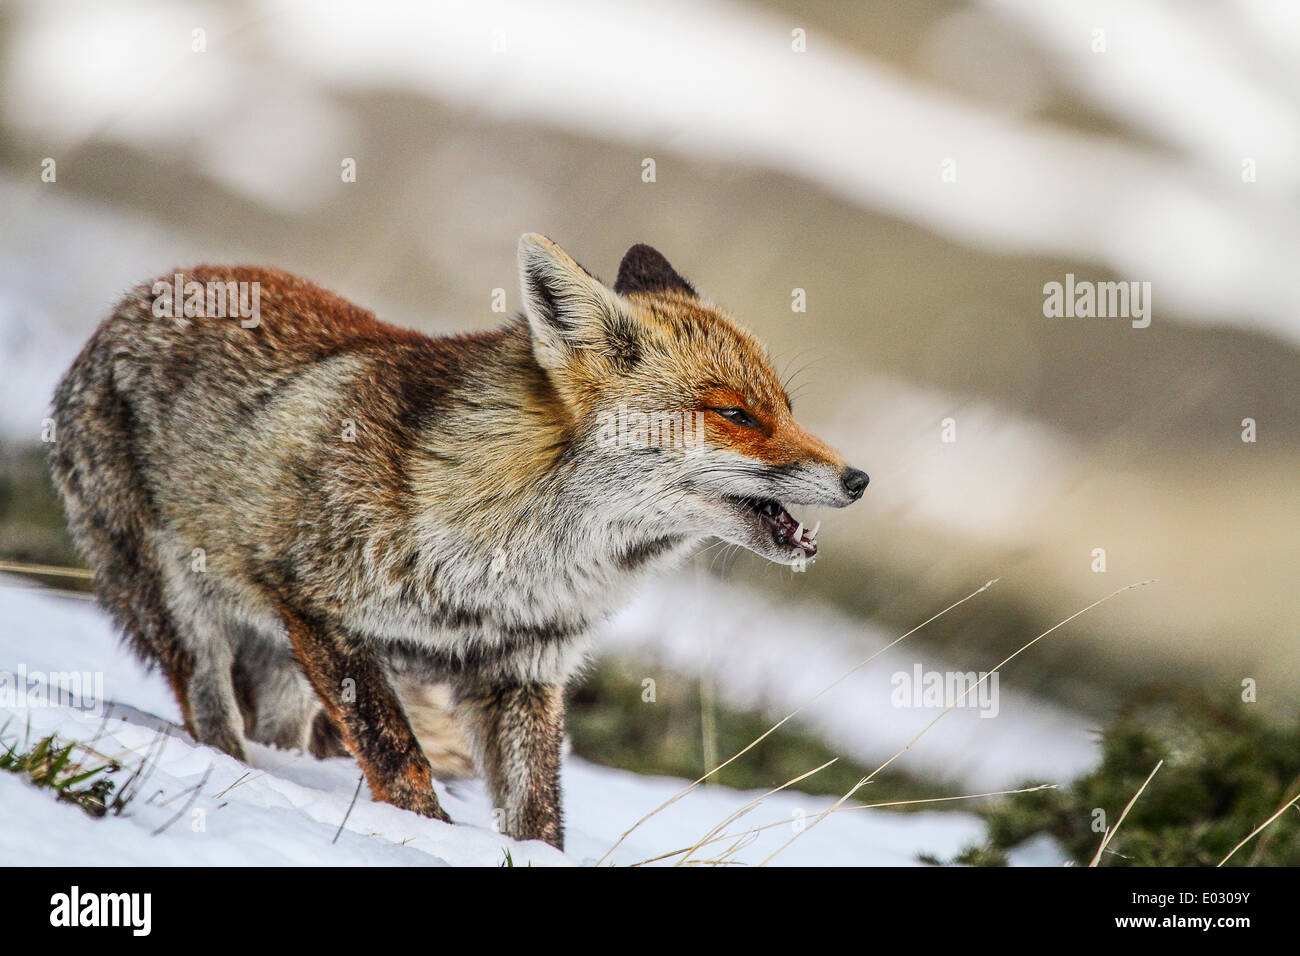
(307, 520)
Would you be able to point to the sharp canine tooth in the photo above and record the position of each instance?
(798, 532)
(814, 530)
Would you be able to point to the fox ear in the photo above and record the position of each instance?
(570, 312)
(644, 269)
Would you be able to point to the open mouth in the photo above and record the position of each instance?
(786, 531)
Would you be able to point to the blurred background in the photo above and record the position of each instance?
(919, 171)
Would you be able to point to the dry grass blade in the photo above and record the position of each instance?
(761, 737)
(872, 806)
(194, 792)
(21, 567)
(737, 814)
(724, 859)
(344, 821)
(856, 806)
(867, 779)
(1110, 833)
(1255, 832)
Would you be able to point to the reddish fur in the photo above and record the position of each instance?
(779, 439)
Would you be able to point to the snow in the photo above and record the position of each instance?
(285, 808)
(758, 653)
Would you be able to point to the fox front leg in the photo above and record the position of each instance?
(516, 731)
(361, 702)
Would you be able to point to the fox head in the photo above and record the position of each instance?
(683, 423)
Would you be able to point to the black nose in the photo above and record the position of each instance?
(855, 482)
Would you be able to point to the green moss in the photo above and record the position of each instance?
(32, 525)
(50, 765)
(1226, 770)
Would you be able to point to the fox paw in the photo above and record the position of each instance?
(417, 800)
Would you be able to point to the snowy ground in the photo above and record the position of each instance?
(197, 806)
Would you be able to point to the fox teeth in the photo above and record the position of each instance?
(814, 530)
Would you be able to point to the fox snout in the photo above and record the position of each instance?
(854, 481)
(828, 483)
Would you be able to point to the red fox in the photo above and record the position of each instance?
(296, 516)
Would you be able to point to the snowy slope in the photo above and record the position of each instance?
(776, 656)
(286, 808)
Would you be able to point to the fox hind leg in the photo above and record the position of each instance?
(213, 707)
(325, 740)
(207, 630)
(286, 706)
(278, 703)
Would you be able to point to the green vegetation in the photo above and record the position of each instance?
(1226, 770)
(32, 526)
(611, 724)
(50, 765)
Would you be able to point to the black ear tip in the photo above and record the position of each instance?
(640, 250)
(644, 269)
(643, 259)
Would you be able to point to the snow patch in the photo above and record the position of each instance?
(286, 808)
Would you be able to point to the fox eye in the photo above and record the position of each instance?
(737, 416)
